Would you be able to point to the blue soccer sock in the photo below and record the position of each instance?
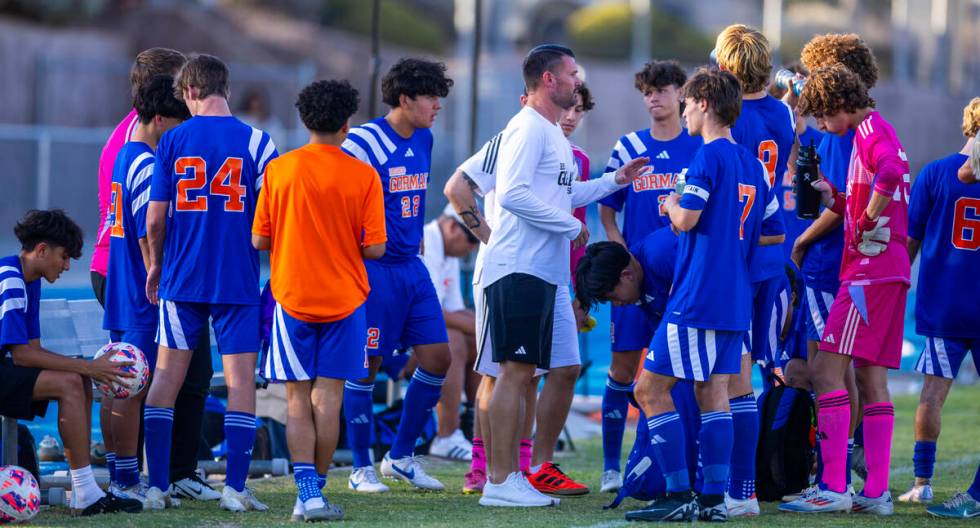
(924, 459)
(716, 438)
(850, 457)
(127, 472)
(307, 480)
(745, 424)
(158, 426)
(359, 412)
(667, 439)
(422, 395)
(321, 480)
(615, 406)
(110, 464)
(240, 438)
(974, 489)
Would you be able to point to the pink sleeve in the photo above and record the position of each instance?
(885, 162)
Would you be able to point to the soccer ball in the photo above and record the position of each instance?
(130, 386)
(20, 496)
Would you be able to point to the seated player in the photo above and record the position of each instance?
(319, 329)
(942, 213)
(867, 317)
(33, 376)
(446, 241)
(129, 316)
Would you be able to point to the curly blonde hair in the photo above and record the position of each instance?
(847, 49)
(833, 89)
(971, 118)
(744, 51)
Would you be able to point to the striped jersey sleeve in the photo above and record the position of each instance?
(481, 168)
(369, 144)
(263, 150)
(626, 149)
(138, 179)
(14, 329)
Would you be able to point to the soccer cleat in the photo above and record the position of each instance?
(454, 447)
(551, 480)
(712, 508)
(410, 470)
(678, 507)
(194, 488)
(474, 482)
(240, 501)
(134, 492)
(858, 464)
(817, 500)
(365, 480)
(742, 507)
(155, 499)
(882, 505)
(515, 492)
(109, 503)
(611, 481)
(327, 512)
(918, 493)
(961, 506)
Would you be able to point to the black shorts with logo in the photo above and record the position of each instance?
(17, 391)
(521, 313)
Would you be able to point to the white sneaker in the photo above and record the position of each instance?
(410, 470)
(918, 493)
(882, 505)
(515, 492)
(194, 488)
(453, 447)
(816, 500)
(157, 499)
(365, 480)
(611, 481)
(135, 492)
(742, 507)
(240, 501)
(299, 511)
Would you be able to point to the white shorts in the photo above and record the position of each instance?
(564, 340)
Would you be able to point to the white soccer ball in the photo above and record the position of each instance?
(130, 386)
(20, 496)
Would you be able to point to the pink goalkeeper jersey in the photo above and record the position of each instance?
(878, 163)
(582, 160)
(107, 161)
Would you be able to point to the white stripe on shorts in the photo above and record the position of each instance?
(180, 343)
(674, 351)
(850, 330)
(942, 356)
(161, 329)
(815, 315)
(694, 352)
(299, 373)
(712, 350)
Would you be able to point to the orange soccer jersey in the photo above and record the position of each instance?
(319, 206)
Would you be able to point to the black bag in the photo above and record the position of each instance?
(786, 448)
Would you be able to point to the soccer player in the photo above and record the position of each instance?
(320, 330)
(720, 215)
(866, 319)
(206, 179)
(943, 223)
(670, 149)
(129, 316)
(402, 309)
(33, 376)
(766, 127)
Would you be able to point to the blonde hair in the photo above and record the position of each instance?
(744, 51)
(971, 118)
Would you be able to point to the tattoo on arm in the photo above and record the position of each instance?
(471, 217)
(472, 184)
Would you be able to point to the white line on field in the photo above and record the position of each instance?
(949, 464)
(607, 524)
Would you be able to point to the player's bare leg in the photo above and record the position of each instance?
(450, 442)
(239, 430)
(507, 416)
(67, 389)
(928, 423)
(553, 406)
(652, 392)
(484, 396)
(327, 396)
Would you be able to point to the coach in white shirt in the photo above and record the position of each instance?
(527, 257)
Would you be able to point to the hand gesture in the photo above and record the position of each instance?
(632, 170)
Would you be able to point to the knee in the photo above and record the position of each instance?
(566, 375)
(622, 372)
(647, 392)
(70, 388)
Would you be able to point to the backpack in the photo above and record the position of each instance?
(786, 448)
(642, 479)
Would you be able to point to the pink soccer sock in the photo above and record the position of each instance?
(833, 421)
(525, 455)
(479, 462)
(879, 422)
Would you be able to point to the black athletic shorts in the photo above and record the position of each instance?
(17, 391)
(98, 286)
(521, 313)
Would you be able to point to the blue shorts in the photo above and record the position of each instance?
(236, 326)
(630, 329)
(300, 351)
(943, 356)
(144, 340)
(403, 309)
(693, 353)
(770, 302)
(816, 309)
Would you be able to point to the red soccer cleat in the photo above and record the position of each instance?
(552, 481)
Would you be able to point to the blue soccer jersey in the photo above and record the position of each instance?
(20, 303)
(126, 305)
(210, 170)
(767, 127)
(795, 226)
(944, 214)
(821, 265)
(712, 287)
(643, 201)
(403, 166)
(657, 254)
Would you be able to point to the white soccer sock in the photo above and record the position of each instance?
(84, 490)
(535, 469)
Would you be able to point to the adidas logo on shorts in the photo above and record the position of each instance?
(520, 352)
(362, 419)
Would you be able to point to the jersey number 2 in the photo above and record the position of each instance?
(966, 230)
(746, 196)
(226, 182)
(115, 211)
(410, 206)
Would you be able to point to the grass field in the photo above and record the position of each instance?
(959, 453)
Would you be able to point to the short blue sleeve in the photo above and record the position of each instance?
(772, 220)
(616, 200)
(161, 189)
(920, 202)
(700, 180)
(14, 329)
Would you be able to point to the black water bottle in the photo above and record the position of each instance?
(807, 198)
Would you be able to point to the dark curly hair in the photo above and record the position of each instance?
(720, 89)
(52, 227)
(414, 77)
(846, 49)
(156, 98)
(597, 272)
(588, 103)
(833, 89)
(658, 74)
(324, 106)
